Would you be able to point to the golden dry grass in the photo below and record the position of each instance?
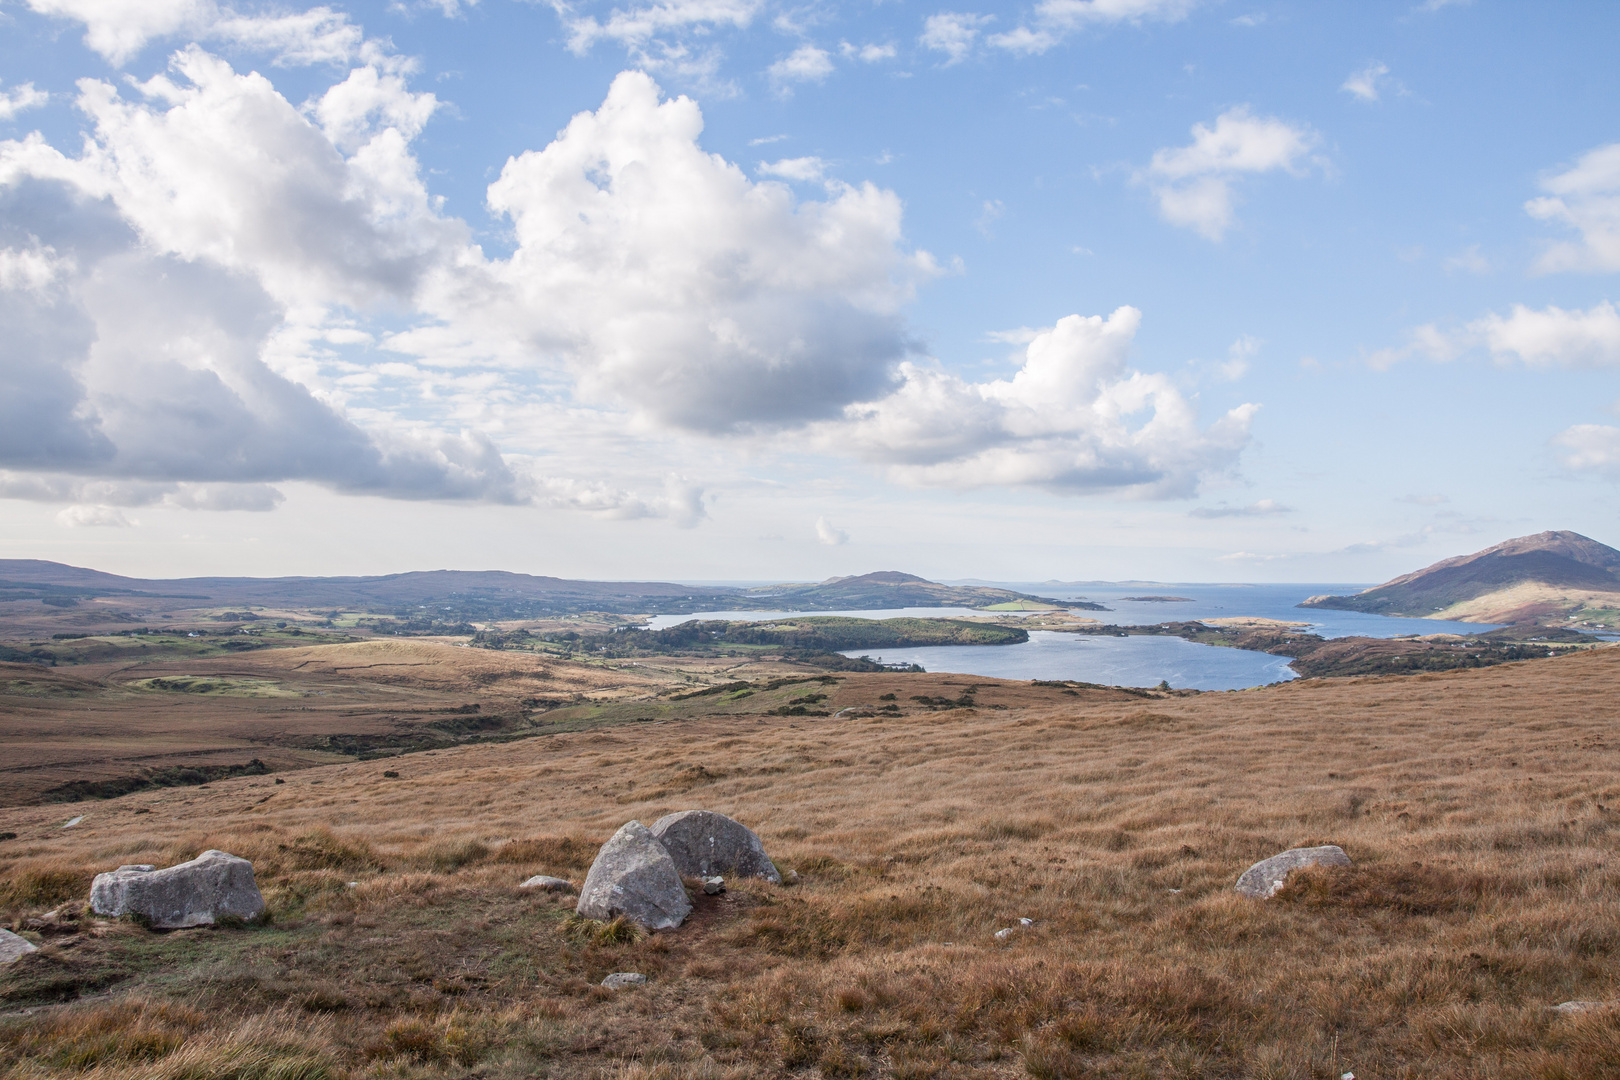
(1480, 808)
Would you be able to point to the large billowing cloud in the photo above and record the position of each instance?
(1074, 418)
(670, 282)
(144, 281)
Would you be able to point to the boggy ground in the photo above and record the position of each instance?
(1480, 808)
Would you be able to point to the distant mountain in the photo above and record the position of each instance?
(484, 594)
(892, 589)
(467, 594)
(1551, 577)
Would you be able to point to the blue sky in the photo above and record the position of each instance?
(1078, 289)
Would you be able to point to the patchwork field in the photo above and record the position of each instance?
(1481, 808)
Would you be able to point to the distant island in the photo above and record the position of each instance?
(1549, 579)
(1158, 599)
(893, 589)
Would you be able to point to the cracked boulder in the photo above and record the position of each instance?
(634, 877)
(706, 844)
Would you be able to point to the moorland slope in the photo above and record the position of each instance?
(1479, 807)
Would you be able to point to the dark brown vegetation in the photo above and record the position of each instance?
(1482, 809)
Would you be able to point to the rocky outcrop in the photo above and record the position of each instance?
(215, 885)
(13, 948)
(635, 877)
(704, 844)
(1264, 878)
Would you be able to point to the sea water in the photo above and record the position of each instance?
(1135, 660)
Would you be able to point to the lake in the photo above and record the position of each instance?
(1132, 661)
(1112, 661)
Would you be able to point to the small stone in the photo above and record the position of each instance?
(1569, 1008)
(549, 884)
(621, 980)
(1026, 922)
(635, 877)
(714, 886)
(1264, 878)
(1003, 935)
(790, 878)
(13, 948)
(70, 822)
(212, 886)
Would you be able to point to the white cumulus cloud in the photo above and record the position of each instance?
(870, 53)
(1553, 337)
(1587, 199)
(1591, 448)
(806, 169)
(20, 97)
(829, 534)
(953, 33)
(669, 282)
(1075, 418)
(144, 285)
(80, 516)
(804, 64)
(119, 29)
(1364, 83)
(1193, 183)
(674, 37)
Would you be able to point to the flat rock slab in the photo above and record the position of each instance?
(634, 876)
(1264, 878)
(14, 948)
(620, 980)
(1569, 1008)
(549, 884)
(705, 844)
(213, 886)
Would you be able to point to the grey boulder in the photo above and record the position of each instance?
(704, 844)
(634, 876)
(13, 948)
(549, 884)
(621, 980)
(1264, 878)
(213, 886)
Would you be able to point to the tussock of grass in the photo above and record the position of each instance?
(42, 883)
(556, 852)
(617, 931)
(142, 1040)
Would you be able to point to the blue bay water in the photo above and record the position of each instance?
(1132, 661)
